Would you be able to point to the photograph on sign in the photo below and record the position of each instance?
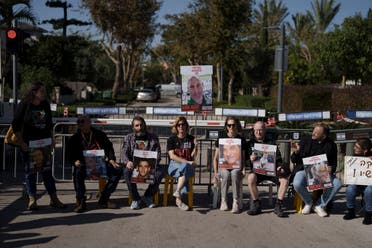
(144, 166)
(95, 163)
(230, 151)
(358, 170)
(196, 88)
(40, 155)
(265, 159)
(317, 175)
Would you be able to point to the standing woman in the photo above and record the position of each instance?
(182, 150)
(232, 129)
(362, 148)
(33, 121)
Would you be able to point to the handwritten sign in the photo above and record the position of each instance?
(358, 170)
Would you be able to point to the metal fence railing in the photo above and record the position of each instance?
(12, 168)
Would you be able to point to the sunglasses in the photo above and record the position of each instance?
(181, 124)
(138, 125)
(230, 125)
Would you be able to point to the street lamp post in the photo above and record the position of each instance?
(281, 69)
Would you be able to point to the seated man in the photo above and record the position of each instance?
(280, 178)
(317, 144)
(142, 140)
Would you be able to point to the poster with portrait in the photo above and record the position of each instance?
(317, 175)
(95, 163)
(196, 88)
(144, 166)
(358, 170)
(265, 159)
(40, 155)
(230, 152)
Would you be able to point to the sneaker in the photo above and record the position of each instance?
(182, 205)
(235, 207)
(135, 205)
(177, 194)
(224, 206)
(320, 211)
(278, 210)
(350, 214)
(306, 209)
(149, 202)
(255, 208)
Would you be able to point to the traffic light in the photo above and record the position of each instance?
(13, 40)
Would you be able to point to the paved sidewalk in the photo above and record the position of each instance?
(169, 226)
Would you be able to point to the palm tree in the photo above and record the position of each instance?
(302, 34)
(21, 13)
(323, 13)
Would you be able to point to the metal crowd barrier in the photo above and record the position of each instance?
(62, 170)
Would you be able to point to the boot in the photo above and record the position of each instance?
(105, 203)
(32, 204)
(278, 210)
(255, 207)
(350, 214)
(367, 218)
(55, 202)
(81, 205)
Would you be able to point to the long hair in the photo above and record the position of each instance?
(178, 119)
(143, 122)
(30, 93)
(236, 122)
(365, 144)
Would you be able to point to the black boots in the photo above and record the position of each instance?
(278, 210)
(81, 205)
(350, 214)
(255, 208)
(367, 218)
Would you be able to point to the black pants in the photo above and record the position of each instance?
(80, 174)
(151, 189)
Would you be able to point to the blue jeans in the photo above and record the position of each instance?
(353, 191)
(299, 183)
(30, 177)
(177, 169)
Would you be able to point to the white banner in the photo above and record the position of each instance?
(358, 170)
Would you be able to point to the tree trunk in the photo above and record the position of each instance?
(219, 82)
(343, 82)
(229, 90)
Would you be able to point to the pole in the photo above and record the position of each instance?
(15, 100)
(281, 71)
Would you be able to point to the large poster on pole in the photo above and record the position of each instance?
(196, 88)
(358, 170)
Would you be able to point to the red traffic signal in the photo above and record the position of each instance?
(13, 40)
(11, 34)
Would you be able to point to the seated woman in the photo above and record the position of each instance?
(362, 148)
(228, 163)
(182, 150)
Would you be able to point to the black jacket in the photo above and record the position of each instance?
(75, 146)
(310, 147)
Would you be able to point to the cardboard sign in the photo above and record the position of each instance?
(358, 170)
(266, 159)
(317, 175)
(230, 153)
